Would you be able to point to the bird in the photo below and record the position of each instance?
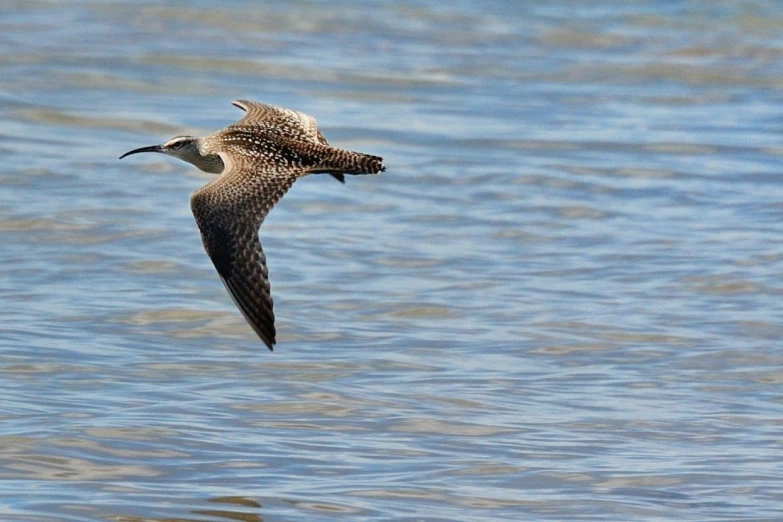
(257, 160)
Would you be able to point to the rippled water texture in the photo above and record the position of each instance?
(562, 300)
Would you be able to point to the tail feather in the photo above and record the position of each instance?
(323, 159)
(350, 163)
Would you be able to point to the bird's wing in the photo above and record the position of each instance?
(289, 123)
(229, 211)
(285, 123)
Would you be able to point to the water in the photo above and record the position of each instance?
(560, 302)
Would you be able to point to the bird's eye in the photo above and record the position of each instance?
(177, 143)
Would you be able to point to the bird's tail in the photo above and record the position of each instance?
(344, 161)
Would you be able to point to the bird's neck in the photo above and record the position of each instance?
(204, 160)
(209, 163)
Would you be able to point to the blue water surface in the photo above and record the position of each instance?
(561, 301)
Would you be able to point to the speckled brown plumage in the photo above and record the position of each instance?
(262, 155)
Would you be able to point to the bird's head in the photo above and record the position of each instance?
(186, 148)
(182, 147)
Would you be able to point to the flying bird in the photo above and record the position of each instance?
(257, 159)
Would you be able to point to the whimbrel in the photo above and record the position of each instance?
(258, 159)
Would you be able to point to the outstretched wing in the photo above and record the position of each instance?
(292, 124)
(229, 211)
(286, 123)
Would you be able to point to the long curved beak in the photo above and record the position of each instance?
(153, 148)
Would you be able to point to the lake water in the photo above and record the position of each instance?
(561, 301)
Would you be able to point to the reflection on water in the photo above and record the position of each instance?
(233, 508)
(560, 301)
